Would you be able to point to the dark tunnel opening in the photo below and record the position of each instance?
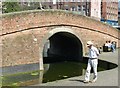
(62, 46)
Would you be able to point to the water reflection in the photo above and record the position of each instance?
(61, 70)
(46, 67)
(52, 72)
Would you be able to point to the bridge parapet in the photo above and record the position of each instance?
(19, 21)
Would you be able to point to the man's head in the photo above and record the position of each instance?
(89, 44)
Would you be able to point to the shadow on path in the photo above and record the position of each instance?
(77, 80)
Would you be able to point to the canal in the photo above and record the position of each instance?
(55, 70)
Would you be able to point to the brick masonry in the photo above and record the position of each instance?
(24, 33)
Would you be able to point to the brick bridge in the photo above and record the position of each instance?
(28, 36)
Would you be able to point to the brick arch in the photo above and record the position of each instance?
(51, 33)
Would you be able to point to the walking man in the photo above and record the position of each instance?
(92, 62)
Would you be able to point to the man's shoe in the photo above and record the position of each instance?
(93, 81)
(86, 81)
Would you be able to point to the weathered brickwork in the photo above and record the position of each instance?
(24, 34)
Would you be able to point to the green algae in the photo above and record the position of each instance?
(35, 73)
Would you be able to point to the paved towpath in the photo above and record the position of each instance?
(105, 78)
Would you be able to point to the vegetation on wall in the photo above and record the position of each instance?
(19, 6)
(10, 7)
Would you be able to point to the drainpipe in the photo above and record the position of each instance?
(40, 6)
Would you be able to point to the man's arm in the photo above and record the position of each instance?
(97, 51)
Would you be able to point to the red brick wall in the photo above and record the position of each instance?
(24, 20)
(19, 31)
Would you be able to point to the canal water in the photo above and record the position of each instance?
(53, 71)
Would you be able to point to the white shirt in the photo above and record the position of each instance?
(109, 45)
(106, 44)
(93, 52)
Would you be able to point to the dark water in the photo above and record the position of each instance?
(53, 71)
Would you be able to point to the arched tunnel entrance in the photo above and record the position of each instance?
(62, 46)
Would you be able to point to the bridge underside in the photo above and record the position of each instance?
(62, 46)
